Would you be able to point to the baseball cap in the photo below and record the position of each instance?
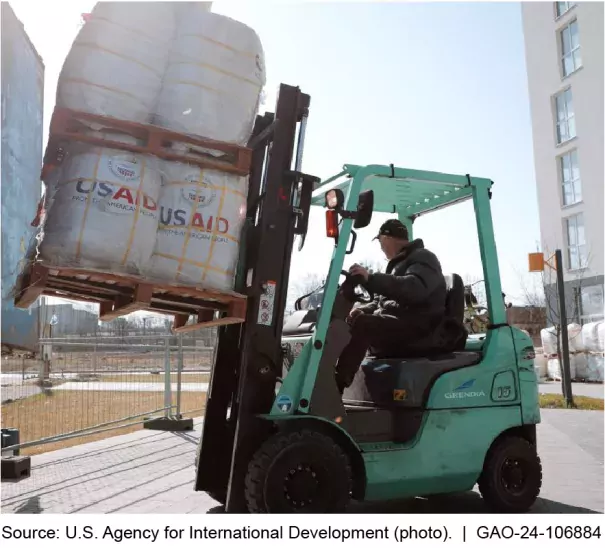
(393, 228)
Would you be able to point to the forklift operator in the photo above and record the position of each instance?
(409, 303)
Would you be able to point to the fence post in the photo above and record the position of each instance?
(167, 383)
(42, 363)
(94, 358)
(170, 422)
(178, 379)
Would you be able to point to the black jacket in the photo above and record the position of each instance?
(413, 288)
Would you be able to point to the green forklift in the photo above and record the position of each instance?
(440, 420)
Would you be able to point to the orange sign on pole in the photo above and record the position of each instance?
(536, 262)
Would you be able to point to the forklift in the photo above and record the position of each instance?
(438, 420)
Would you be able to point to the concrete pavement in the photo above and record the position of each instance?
(152, 472)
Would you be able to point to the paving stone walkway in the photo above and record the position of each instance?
(152, 472)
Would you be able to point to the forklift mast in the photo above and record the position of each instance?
(248, 359)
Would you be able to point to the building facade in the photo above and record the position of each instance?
(564, 56)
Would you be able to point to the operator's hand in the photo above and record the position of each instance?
(353, 314)
(357, 270)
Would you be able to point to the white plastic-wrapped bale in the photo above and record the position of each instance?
(574, 339)
(103, 210)
(549, 341)
(538, 371)
(214, 79)
(579, 364)
(201, 218)
(594, 367)
(117, 62)
(540, 365)
(592, 336)
(574, 336)
(183, 10)
(554, 369)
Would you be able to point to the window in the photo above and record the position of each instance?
(571, 58)
(570, 178)
(562, 8)
(576, 242)
(566, 120)
(591, 300)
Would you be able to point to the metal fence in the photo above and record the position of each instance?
(87, 388)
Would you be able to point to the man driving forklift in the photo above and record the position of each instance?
(409, 303)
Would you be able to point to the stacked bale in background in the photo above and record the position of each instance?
(585, 352)
(593, 337)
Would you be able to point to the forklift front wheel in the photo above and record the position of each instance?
(512, 475)
(299, 472)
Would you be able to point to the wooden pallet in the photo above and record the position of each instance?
(119, 295)
(70, 125)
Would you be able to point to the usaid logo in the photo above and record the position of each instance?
(125, 168)
(119, 198)
(464, 391)
(202, 194)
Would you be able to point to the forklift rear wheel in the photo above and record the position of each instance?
(512, 475)
(299, 472)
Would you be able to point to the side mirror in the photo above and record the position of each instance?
(365, 208)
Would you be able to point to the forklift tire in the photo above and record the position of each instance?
(298, 472)
(512, 476)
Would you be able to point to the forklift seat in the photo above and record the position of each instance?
(434, 345)
(454, 299)
(395, 381)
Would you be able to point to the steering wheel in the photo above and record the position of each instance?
(352, 283)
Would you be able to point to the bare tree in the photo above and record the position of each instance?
(550, 301)
(308, 283)
(135, 323)
(532, 290)
(544, 294)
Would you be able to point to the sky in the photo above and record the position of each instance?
(434, 86)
